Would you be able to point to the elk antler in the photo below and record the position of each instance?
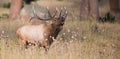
(49, 12)
(35, 15)
(63, 13)
(60, 12)
(55, 12)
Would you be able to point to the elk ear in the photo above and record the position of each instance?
(48, 22)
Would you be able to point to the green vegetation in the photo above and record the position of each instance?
(4, 16)
(6, 5)
(107, 18)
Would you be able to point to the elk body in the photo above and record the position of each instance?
(43, 34)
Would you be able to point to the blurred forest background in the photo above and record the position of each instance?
(86, 9)
(91, 30)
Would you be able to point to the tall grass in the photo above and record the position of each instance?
(77, 40)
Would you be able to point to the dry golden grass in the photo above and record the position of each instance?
(3, 11)
(76, 41)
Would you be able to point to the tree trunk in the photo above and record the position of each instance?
(15, 9)
(89, 9)
(114, 6)
(84, 9)
(94, 9)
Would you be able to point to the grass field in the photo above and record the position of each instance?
(79, 39)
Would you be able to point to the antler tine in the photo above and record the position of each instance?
(60, 12)
(33, 9)
(57, 9)
(65, 8)
(65, 12)
(34, 12)
(35, 15)
(55, 12)
(49, 12)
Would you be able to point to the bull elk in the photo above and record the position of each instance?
(43, 34)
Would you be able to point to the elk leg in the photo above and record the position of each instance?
(46, 48)
(25, 44)
(29, 44)
(22, 44)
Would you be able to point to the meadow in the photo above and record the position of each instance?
(79, 39)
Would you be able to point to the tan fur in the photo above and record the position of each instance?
(41, 35)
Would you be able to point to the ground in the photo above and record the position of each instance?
(79, 39)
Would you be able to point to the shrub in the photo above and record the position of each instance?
(6, 5)
(4, 16)
(107, 18)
